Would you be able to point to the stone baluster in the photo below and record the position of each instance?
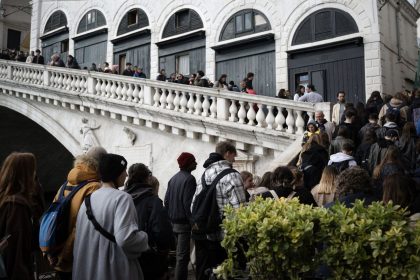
(191, 103)
(67, 82)
(52, 78)
(233, 110)
(83, 84)
(213, 107)
(110, 89)
(260, 116)
(162, 99)
(77, 84)
(177, 101)
(142, 94)
(103, 88)
(56, 78)
(72, 83)
(280, 119)
(242, 112)
(28, 75)
(129, 93)
(14, 72)
(300, 123)
(290, 121)
(156, 97)
(135, 94)
(124, 91)
(206, 106)
(251, 115)
(184, 102)
(270, 120)
(98, 87)
(170, 100)
(198, 105)
(31, 75)
(311, 115)
(119, 90)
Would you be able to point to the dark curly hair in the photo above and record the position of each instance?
(282, 177)
(138, 173)
(353, 180)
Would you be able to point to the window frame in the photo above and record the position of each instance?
(244, 31)
(136, 11)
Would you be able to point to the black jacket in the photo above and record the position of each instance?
(152, 216)
(179, 195)
(304, 195)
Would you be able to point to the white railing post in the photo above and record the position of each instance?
(46, 77)
(222, 108)
(148, 95)
(326, 108)
(91, 85)
(9, 72)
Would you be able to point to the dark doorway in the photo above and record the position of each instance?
(331, 69)
(21, 134)
(13, 39)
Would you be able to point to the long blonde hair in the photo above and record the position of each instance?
(327, 182)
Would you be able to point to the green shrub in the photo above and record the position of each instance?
(282, 239)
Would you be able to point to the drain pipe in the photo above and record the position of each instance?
(397, 28)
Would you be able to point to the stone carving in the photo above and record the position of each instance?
(130, 135)
(88, 137)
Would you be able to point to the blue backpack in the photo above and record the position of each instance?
(53, 231)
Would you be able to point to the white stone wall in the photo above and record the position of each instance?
(398, 63)
(284, 17)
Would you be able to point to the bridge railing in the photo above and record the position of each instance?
(266, 114)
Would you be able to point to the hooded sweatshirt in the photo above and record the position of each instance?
(77, 175)
(380, 132)
(340, 157)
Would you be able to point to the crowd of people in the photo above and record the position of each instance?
(117, 227)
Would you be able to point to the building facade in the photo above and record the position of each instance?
(351, 45)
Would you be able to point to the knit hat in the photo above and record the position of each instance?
(185, 159)
(111, 166)
(391, 133)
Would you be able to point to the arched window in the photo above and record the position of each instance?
(133, 19)
(56, 20)
(91, 20)
(244, 23)
(181, 22)
(324, 24)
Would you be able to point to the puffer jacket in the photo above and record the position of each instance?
(77, 175)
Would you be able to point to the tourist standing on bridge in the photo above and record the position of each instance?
(17, 218)
(339, 107)
(112, 251)
(38, 58)
(311, 95)
(178, 198)
(30, 57)
(128, 71)
(72, 62)
(56, 61)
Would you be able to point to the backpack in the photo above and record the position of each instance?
(205, 210)
(342, 165)
(396, 111)
(53, 231)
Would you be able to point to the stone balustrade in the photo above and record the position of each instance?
(258, 121)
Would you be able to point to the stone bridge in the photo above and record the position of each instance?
(152, 121)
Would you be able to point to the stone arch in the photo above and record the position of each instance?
(123, 9)
(97, 5)
(301, 13)
(44, 120)
(172, 8)
(49, 13)
(266, 7)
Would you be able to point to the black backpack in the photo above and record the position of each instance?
(205, 210)
(342, 165)
(396, 111)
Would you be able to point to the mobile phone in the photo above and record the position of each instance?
(5, 238)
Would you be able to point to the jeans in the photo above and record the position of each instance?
(183, 236)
